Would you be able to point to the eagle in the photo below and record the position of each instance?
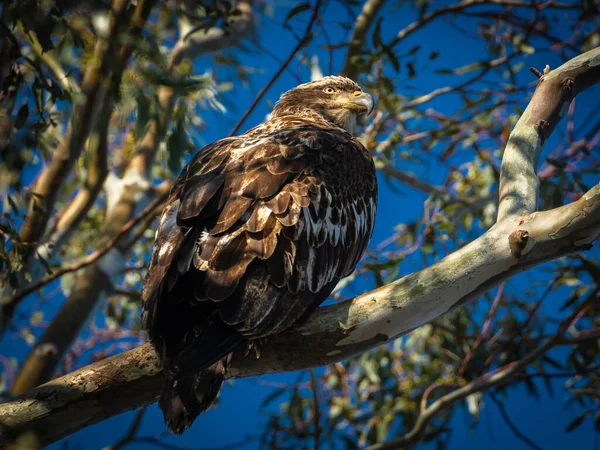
(256, 233)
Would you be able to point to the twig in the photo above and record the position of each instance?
(301, 43)
(460, 6)
(316, 411)
(511, 425)
(93, 257)
(487, 381)
(484, 330)
(129, 437)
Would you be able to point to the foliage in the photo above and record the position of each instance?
(446, 124)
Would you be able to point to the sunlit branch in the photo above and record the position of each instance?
(133, 192)
(86, 111)
(73, 214)
(194, 41)
(47, 185)
(549, 104)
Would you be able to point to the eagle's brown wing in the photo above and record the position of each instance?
(256, 233)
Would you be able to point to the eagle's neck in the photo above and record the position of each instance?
(342, 118)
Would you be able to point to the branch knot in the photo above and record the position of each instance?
(517, 241)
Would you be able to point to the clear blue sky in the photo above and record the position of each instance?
(237, 415)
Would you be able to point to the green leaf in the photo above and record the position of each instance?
(470, 67)
(143, 114)
(575, 423)
(527, 49)
(392, 57)
(12, 204)
(295, 11)
(22, 116)
(272, 396)
(377, 43)
(414, 50)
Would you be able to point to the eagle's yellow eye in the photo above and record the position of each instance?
(329, 90)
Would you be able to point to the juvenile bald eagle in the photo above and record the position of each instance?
(257, 231)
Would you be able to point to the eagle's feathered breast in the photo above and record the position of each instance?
(256, 233)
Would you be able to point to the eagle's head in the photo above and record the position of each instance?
(338, 99)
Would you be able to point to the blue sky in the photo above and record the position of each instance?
(237, 415)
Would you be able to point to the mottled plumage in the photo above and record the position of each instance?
(258, 230)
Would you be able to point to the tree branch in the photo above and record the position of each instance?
(193, 42)
(512, 426)
(50, 60)
(47, 185)
(359, 35)
(461, 6)
(337, 332)
(333, 333)
(93, 285)
(549, 104)
(487, 381)
(69, 219)
(301, 43)
(84, 114)
(149, 210)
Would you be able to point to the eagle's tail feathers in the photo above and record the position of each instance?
(184, 397)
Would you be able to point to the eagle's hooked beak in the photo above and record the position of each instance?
(362, 101)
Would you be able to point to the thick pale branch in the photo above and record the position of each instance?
(359, 35)
(549, 104)
(333, 333)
